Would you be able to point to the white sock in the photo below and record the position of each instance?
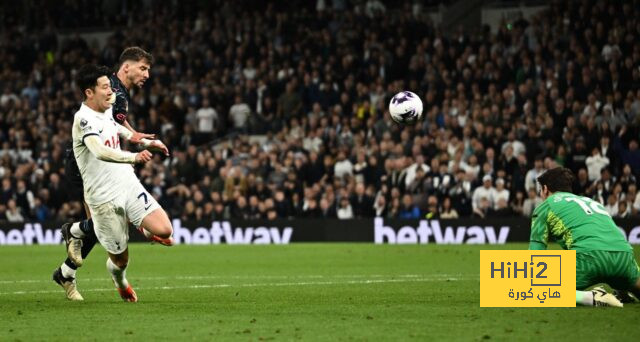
(584, 298)
(118, 274)
(67, 271)
(76, 231)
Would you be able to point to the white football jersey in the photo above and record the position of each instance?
(103, 181)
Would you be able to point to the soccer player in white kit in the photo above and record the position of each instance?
(112, 190)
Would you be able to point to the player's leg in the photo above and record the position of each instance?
(73, 233)
(597, 297)
(624, 276)
(117, 266)
(65, 274)
(80, 239)
(158, 224)
(633, 275)
(153, 223)
(146, 214)
(112, 230)
(588, 271)
(79, 236)
(68, 284)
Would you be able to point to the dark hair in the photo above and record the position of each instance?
(87, 76)
(136, 54)
(557, 179)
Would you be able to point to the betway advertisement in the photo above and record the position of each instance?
(437, 232)
(377, 230)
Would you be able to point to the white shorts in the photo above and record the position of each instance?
(111, 219)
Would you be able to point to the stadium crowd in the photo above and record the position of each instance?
(274, 111)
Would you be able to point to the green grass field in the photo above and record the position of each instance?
(293, 292)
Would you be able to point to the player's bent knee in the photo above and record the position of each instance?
(158, 223)
(165, 231)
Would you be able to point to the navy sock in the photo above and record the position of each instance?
(88, 242)
(70, 263)
(87, 227)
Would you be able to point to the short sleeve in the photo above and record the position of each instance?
(539, 234)
(120, 106)
(87, 126)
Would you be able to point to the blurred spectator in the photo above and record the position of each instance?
(517, 203)
(380, 206)
(530, 203)
(408, 210)
(410, 172)
(433, 209)
(485, 192)
(343, 166)
(239, 115)
(208, 121)
(483, 209)
(623, 210)
(595, 163)
(345, 211)
(361, 203)
(500, 193)
(13, 212)
(502, 208)
(327, 209)
(532, 175)
(448, 211)
(289, 103)
(583, 184)
(612, 205)
(240, 210)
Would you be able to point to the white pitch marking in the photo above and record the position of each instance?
(312, 276)
(213, 286)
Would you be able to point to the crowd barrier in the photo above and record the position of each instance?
(374, 230)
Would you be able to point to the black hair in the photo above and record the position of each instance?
(87, 76)
(136, 54)
(557, 179)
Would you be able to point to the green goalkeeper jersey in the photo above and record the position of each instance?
(577, 223)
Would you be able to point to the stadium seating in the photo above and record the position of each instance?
(299, 103)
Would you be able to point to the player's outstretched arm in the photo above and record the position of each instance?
(155, 145)
(127, 132)
(143, 139)
(104, 153)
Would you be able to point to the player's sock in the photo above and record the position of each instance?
(86, 226)
(118, 274)
(70, 264)
(584, 298)
(88, 242)
(76, 231)
(68, 271)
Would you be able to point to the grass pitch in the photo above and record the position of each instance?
(293, 292)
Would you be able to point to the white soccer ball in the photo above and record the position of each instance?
(405, 108)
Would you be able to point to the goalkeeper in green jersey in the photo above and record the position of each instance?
(582, 224)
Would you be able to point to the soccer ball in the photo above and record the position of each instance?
(405, 108)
